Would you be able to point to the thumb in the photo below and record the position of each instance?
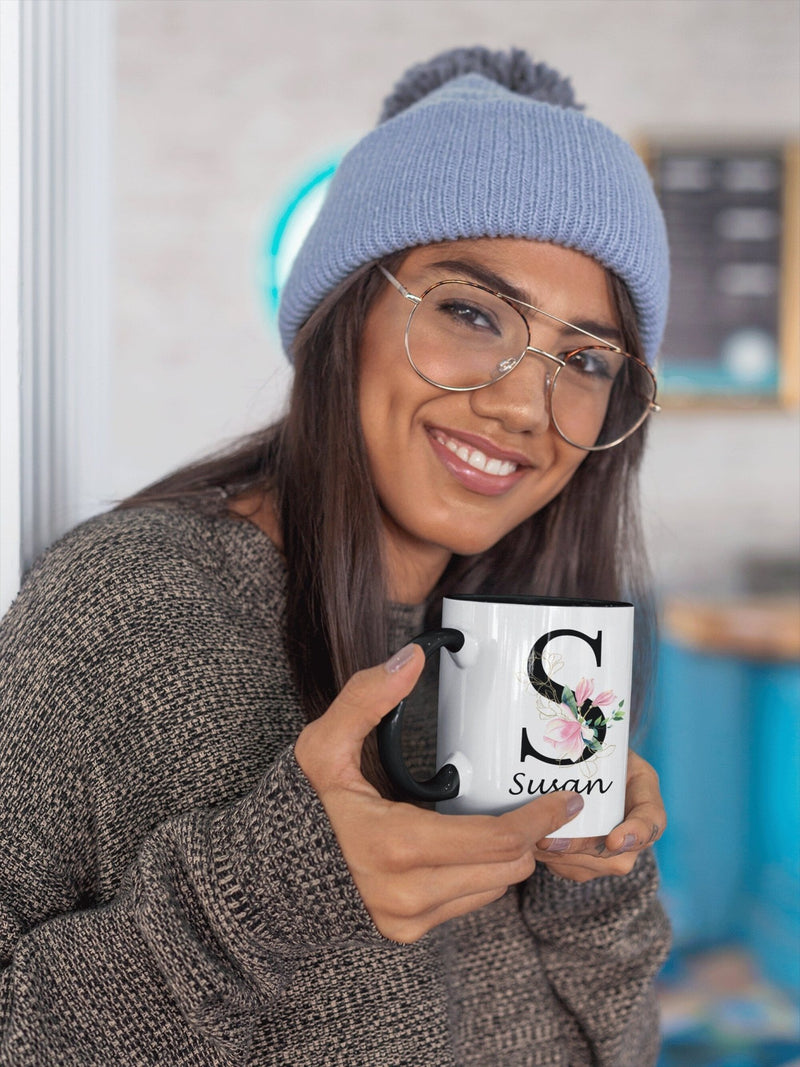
(365, 699)
(546, 814)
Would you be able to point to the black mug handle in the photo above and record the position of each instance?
(444, 785)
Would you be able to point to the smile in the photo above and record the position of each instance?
(474, 457)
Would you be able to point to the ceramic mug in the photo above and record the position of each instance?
(534, 696)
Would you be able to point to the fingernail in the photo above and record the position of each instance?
(574, 804)
(629, 841)
(399, 659)
(558, 844)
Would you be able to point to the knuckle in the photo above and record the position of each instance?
(357, 688)
(618, 866)
(512, 844)
(406, 907)
(398, 852)
(522, 868)
(581, 876)
(491, 895)
(406, 933)
(653, 829)
(402, 898)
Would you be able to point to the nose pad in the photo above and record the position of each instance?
(520, 399)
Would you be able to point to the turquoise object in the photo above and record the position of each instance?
(725, 739)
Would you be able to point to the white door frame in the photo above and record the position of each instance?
(55, 254)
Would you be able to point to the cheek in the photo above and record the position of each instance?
(566, 462)
(569, 460)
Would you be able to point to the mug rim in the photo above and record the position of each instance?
(537, 601)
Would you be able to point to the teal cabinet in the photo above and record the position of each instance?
(725, 738)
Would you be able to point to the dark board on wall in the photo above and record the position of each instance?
(732, 215)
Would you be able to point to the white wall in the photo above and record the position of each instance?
(55, 192)
(10, 368)
(222, 103)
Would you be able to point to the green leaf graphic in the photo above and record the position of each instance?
(569, 699)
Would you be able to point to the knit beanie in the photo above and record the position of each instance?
(486, 144)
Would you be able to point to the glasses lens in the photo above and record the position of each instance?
(600, 397)
(461, 337)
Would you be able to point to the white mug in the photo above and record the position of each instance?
(534, 697)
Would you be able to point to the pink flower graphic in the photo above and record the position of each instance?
(578, 723)
(583, 691)
(568, 737)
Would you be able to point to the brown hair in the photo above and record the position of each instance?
(586, 542)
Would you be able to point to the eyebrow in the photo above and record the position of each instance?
(498, 284)
(485, 276)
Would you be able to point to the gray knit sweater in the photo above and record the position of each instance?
(171, 891)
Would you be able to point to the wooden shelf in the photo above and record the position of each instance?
(753, 628)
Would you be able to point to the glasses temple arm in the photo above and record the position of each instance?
(398, 285)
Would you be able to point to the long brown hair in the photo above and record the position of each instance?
(586, 542)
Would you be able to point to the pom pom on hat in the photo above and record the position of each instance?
(462, 154)
(514, 69)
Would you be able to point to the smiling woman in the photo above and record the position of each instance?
(194, 817)
(429, 446)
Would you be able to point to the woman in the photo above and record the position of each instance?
(202, 863)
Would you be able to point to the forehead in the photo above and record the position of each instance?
(559, 280)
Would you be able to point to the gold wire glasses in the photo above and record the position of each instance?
(462, 336)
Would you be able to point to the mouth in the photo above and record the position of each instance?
(477, 463)
(498, 465)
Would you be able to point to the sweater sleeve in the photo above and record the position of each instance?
(601, 944)
(164, 864)
(180, 964)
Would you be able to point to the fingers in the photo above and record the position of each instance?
(421, 838)
(329, 749)
(412, 873)
(552, 811)
(565, 846)
(413, 903)
(645, 817)
(580, 867)
(414, 838)
(644, 822)
(429, 839)
(421, 868)
(411, 930)
(415, 868)
(370, 694)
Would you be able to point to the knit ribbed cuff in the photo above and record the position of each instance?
(281, 878)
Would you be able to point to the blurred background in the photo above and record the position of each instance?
(158, 159)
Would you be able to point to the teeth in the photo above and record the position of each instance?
(477, 459)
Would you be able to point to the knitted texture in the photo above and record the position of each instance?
(171, 890)
(513, 69)
(475, 159)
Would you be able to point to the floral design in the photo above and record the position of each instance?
(568, 737)
(579, 718)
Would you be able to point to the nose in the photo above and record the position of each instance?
(520, 400)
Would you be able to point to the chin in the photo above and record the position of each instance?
(468, 543)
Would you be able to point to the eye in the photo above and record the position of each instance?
(470, 315)
(600, 364)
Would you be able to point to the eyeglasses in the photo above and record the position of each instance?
(461, 336)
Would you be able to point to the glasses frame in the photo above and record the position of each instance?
(559, 361)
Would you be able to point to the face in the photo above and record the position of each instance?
(455, 472)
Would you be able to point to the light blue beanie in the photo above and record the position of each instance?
(473, 158)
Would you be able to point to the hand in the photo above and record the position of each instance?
(645, 820)
(414, 868)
